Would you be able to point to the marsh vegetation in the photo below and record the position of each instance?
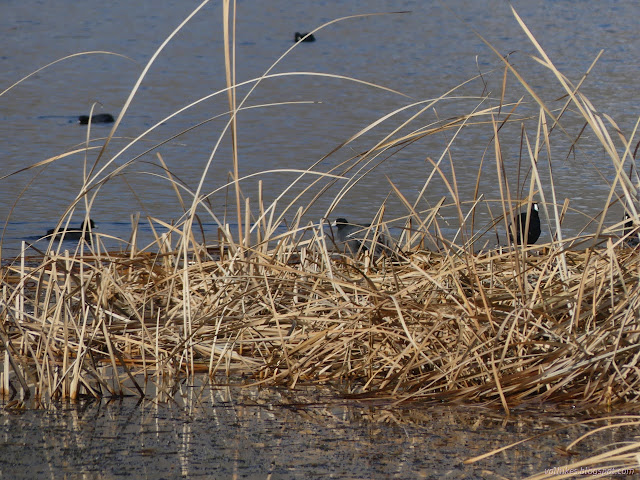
(452, 312)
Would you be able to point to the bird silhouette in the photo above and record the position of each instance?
(97, 118)
(74, 233)
(516, 235)
(301, 37)
(353, 237)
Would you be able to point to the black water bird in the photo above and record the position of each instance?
(353, 237)
(74, 233)
(97, 118)
(632, 239)
(534, 231)
(301, 37)
(628, 225)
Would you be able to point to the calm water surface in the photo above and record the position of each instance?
(420, 55)
(280, 434)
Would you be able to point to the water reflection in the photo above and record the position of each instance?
(226, 432)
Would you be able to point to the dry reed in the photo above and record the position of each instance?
(505, 327)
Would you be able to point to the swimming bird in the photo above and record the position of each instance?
(300, 37)
(521, 221)
(73, 233)
(353, 237)
(97, 118)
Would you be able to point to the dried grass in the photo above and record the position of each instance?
(494, 328)
(451, 323)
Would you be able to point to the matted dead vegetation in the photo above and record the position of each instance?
(506, 327)
(438, 318)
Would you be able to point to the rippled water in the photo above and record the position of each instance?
(282, 434)
(421, 54)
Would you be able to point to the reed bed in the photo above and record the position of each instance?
(507, 327)
(435, 318)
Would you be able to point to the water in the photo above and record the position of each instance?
(281, 434)
(421, 54)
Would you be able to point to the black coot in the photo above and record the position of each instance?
(97, 118)
(300, 37)
(74, 233)
(632, 238)
(352, 237)
(533, 234)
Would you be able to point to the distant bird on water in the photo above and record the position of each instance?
(516, 235)
(74, 233)
(353, 237)
(300, 37)
(97, 118)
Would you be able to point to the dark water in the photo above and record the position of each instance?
(421, 54)
(279, 434)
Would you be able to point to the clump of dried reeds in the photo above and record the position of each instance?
(506, 326)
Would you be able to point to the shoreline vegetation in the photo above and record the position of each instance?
(441, 319)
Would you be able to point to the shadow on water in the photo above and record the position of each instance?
(235, 432)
